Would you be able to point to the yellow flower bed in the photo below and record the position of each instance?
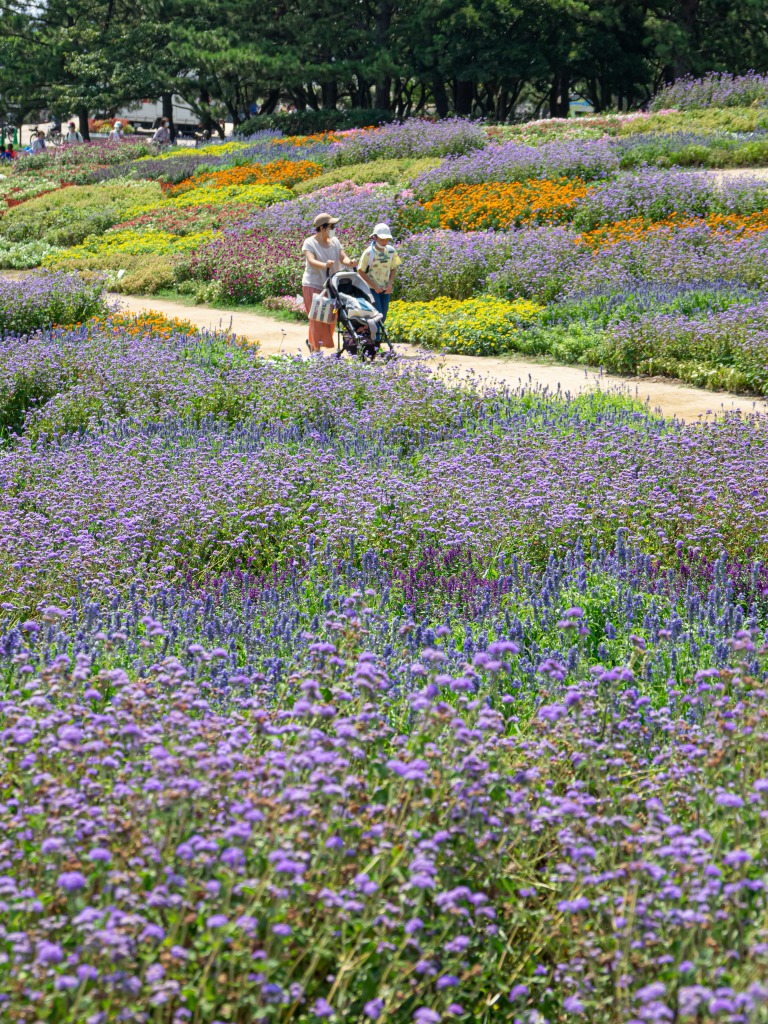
(259, 195)
(215, 149)
(255, 195)
(484, 326)
(129, 243)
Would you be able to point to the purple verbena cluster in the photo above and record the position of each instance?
(414, 137)
(718, 89)
(47, 298)
(514, 161)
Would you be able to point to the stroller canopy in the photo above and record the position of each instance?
(349, 282)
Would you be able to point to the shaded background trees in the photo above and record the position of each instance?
(469, 57)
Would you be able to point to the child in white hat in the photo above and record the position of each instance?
(378, 267)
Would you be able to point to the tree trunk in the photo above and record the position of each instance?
(500, 107)
(398, 97)
(382, 100)
(82, 117)
(330, 95)
(209, 121)
(269, 104)
(232, 106)
(592, 94)
(310, 96)
(440, 96)
(419, 108)
(463, 94)
(559, 95)
(363, 92)
(168, 113)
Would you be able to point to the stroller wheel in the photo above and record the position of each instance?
(384, 338)
(346, 342)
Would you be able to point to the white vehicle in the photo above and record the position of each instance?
(149, 112)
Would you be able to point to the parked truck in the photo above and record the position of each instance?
(148, 114)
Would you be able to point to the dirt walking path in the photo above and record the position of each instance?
(724, 174)
(276, 337)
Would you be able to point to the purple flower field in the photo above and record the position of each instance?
(347, 692)
(343, 692)
(714, 90)
(47, 299)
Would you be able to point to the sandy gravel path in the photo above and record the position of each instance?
(728, 173)
(671, 398)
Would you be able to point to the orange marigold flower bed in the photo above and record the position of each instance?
(737, 225)
(139, 324)
(503, 204)
(307, 140)
(151, 322)
(278, 172)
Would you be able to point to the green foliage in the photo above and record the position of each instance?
(709, 121)
(393, 172)
(750, 154)
(23, 255)
(66, 217)
(601, 310)
(354, 66)
(310, 122)
(142, 274)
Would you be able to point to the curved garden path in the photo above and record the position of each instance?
(667, 396)
(728, 173)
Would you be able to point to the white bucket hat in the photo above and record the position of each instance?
(381, 231)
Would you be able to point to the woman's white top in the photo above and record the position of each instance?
(313, 277)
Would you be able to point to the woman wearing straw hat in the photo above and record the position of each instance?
(323, 253)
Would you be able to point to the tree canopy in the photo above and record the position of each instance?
(476, 57)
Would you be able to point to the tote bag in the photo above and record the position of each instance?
(321, 308)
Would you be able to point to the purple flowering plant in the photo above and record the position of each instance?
(335, 691)
(277, 671)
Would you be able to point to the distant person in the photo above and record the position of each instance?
(38, 143)
(117, 132)
(162, 136)
(7, 153)
(4, 157)
(378, 267)
(73, 136)
(324, 255)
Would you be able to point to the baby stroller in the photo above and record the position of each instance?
(359, 329)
